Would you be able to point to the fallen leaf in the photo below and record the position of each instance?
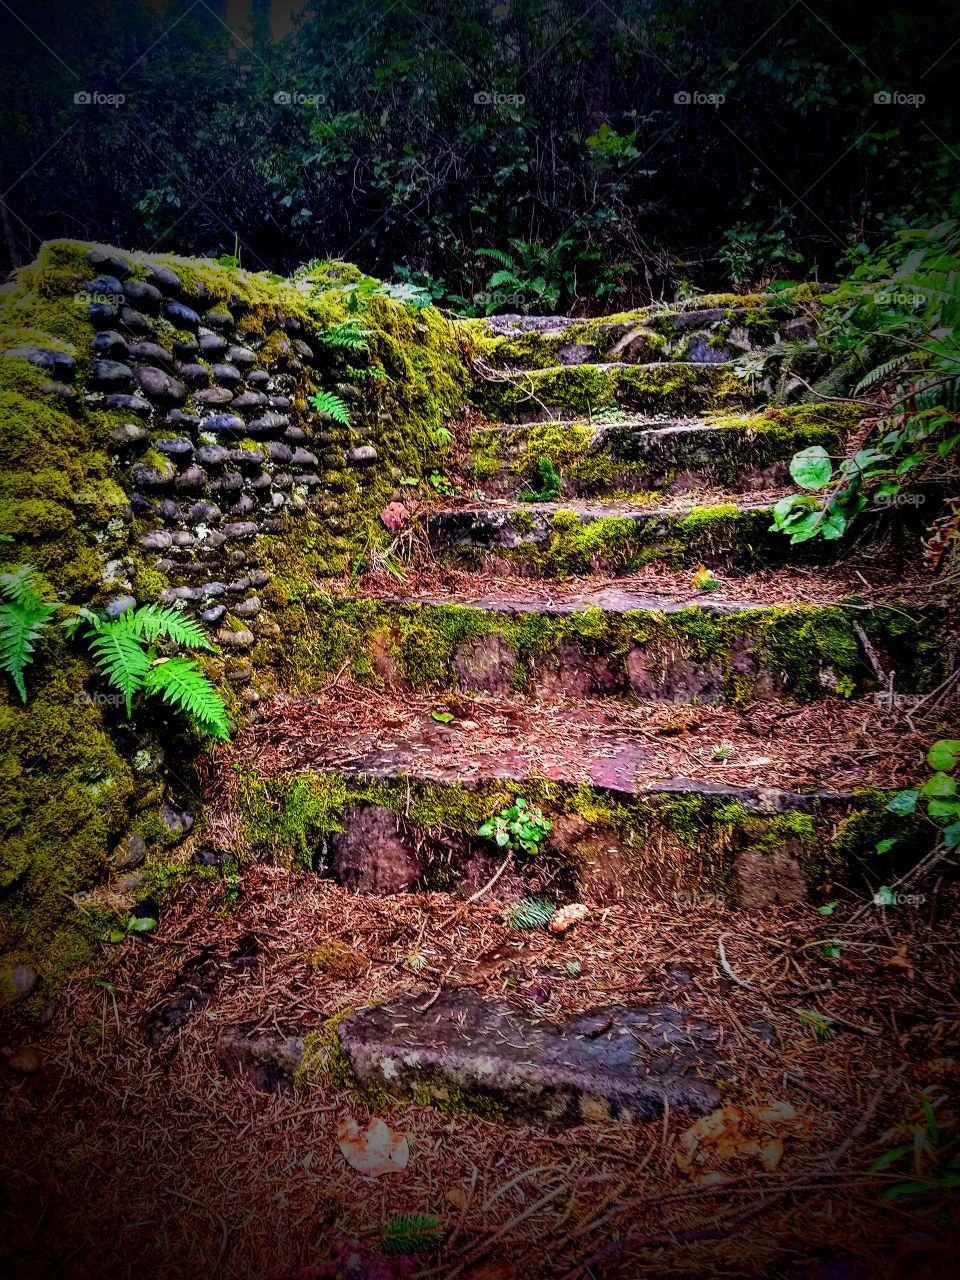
(565, 918)
(457, 1197)
(372, 1151)
(900, 960)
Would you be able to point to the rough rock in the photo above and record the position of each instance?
(371, 855)
(160, 386)
(130, 852)
(17, 982)
(58, 363)
(485, 664)
(616, 1062)
(365, 455)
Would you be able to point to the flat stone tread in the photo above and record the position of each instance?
(773, 757)
(607, 365)
(615, 1062)
(595, 508)
(610, 599)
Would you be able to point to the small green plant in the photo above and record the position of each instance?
(124, 650)
(549, 479)
(749, 251)
(529, 913)
(939, 793)
(931, 1155)
(442, 485)
(407, 1233)
(131, 924)
(330, 404)
(23, 616)
(518, 827)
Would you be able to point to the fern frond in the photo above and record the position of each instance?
(529, 913)
(21, 622)
(121, 657)
(498, 255)
(410, 1233)
(20, 584)
(181, 684)
(330, 404)
(504, 277)
(348, 334)
(882, 371)
(154, 622)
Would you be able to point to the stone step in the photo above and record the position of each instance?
(612, 642)
(552, 539)
(718, 330)
(534, 395)
(375, 792)
(738, 453)
(477, 1054)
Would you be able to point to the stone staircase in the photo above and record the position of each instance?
(731, 743)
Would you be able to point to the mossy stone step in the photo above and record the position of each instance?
(614, 643)
(711, 329)
(738, 453)
(665, 387)
(401, 818)
(553, 539)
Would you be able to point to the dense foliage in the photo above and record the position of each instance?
(606, 153)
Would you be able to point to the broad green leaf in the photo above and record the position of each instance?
(443, 716)
(903, 802)
(884, 846)
(940, 785)
(951, 835)
(142, 924)
(834, 525)
(827, 909)
(940, 809)
(943, 755)
(811, 468)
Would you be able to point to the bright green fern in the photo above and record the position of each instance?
(529, 913)
(330, 404)
(348, 335)
(410, 1233)
(23, 615)
(124, 651)
(180, 683)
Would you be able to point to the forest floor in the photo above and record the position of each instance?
(132, 1153)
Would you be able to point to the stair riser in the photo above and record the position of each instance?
(684, 843)
(549, 543)
(631, 459)
(693, 655)
(582, 390)
(707, 334)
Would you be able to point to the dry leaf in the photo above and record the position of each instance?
(566, 917)
(457, 1197)
(900, 960)
(373, 1151)
(731, 1134)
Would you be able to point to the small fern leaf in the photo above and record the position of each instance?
(406, 1233)
(181, 684)
(498, 255)
(20, 584)
(882, 371)
(529, 913)
(121, 657)
(154, 622)
(330, 404)
(21, 623)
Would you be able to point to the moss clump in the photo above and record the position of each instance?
(337, 960)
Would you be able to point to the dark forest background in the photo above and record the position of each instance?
(418, 132)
